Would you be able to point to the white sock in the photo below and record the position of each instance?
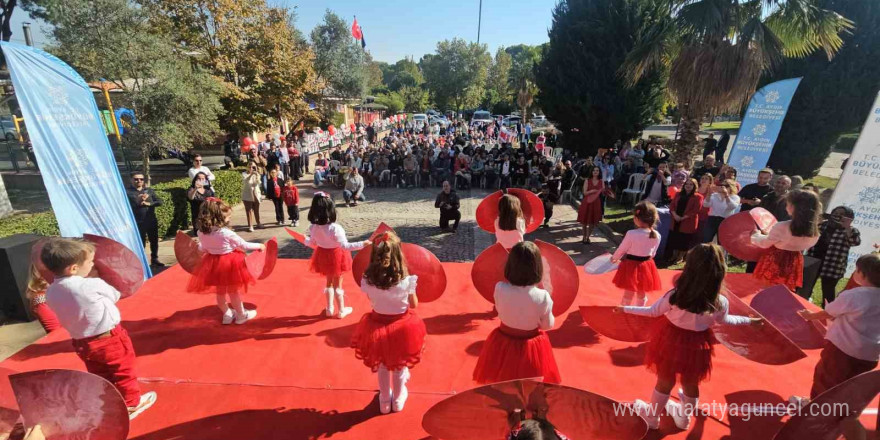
(642, 300)
(627, 298)
(399, 379)
(328, 292)
(384, 384)
(658, 403)
(340, 299)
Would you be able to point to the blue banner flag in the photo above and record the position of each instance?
(76, 161)
(760, 128)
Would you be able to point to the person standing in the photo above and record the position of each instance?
(448, 203)
(274, 187)
(709, 146)
(722, 203)
(590, 211)
(199, 191)
(143, 202)
(251, 195)
(685, 211)
(199, 168)
(775, 200)
(836, 237)
(752, 194)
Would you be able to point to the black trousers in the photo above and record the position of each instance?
(829, 289)
(548, 212)
(505, 182)
(279, 209)
(293, 212)
(150, 230)
(447, 215)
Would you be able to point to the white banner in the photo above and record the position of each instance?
(859, 186)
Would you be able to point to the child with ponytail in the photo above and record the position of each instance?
(332, 255)
(390, 339)
(222, 270)
(637, 273)
(510, 226)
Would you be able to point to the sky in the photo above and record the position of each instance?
(394, 29)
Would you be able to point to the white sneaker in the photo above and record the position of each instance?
(643, 409)
(248, 315)
(343, 312)
(147, 400)
(228, 317)
(295, 223)
(251, 229)
(676, 410)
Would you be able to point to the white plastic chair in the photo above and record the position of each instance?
(635, 187)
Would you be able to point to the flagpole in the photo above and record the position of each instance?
(479, 21)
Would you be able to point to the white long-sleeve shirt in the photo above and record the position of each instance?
(638, 243)
(510, 238)
(687, 320)
(85, 307)
(330, 236)
(223, 241)
(780, 237)
(393, 301)
(855, 329)
(524, 307)
(718, 207)
(202, 169)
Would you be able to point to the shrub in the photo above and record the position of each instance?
(846, 142)
(172, 215)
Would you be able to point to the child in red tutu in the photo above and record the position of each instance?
(510, 226)
(391, 338)
(519, 348)
(637, 273)
(332, 255)
(222, 270)
(681, 343)
(784, 262)
(36, 294)
(86, 308)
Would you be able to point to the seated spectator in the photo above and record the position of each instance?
(462, 172)
(520, 172)
(707, 167)
(322, 170)
(410, 168)
(441, 168)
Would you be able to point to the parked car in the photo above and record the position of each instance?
(481, 116)
(419, 119)
(511, 121)
(441, 120)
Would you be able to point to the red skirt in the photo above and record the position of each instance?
(395, 341)
(330, 262)
(590, 213)
(637, 276)
(777, 266)
(510, 354)
(673, 351)
(220, 274)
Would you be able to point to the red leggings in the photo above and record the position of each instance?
(113, 359)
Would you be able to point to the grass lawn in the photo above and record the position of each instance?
(731, 125)
(823, 182)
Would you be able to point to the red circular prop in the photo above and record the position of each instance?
(735, 233)
(419, 261)
(117, 265)
(532, 208)
(560, 271)
(9, 412)
(483, 413)
(71, 404)
(261, 264)
(187, 252)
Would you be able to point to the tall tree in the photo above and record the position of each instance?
(579, 85)
(176, 104)
(498, 91)
(456, 74)
(339, 60)
(717, 51)
(524, 58)
(263, 60)
(834, 96)
(374, 70)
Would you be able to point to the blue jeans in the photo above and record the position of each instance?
(349, 197)
(319, 177)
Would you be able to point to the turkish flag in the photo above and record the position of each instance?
(356, 30)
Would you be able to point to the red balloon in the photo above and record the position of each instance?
(780, 307)
(735, 233)
(247, 141)
(419, 261)
(332, 130)
(261, 264)
(482, 413)
(47, 397)
(283, 138)
(117, 265)
(245, 149)
(532, 209)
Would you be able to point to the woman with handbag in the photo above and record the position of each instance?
(251, 195)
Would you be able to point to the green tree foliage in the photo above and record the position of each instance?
(456, 74)
(834, 96)
(498, 90)
(578, 81)
(176, 105)
(339, 60)
(264, 62)
(392, 100)
(375, 75)
(405, 78)
(524, 58)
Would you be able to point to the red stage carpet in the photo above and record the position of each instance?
(289, 373)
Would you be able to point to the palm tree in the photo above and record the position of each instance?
(717, 50)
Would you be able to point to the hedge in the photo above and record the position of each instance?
(846, 142)
(173, 214)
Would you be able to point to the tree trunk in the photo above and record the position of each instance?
(146, 165)
(687, 147)
(8, 9)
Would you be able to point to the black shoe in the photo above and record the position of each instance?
(156, 263)
(545, 225)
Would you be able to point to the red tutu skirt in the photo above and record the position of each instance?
(330, 262)
(225, 273)
(673, 350)
(777, 266)
(395, 341)
(637, 276)
(510, 354)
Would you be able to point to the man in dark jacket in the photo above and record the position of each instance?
(143, 204)
(721, 148)
(448, 203)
